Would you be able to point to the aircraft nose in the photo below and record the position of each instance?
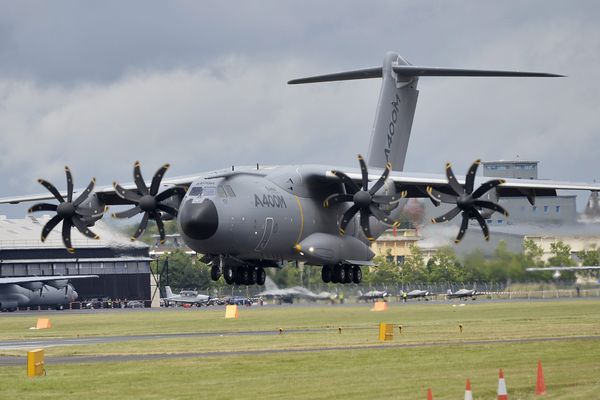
(199, 220)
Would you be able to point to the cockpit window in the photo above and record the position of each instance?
(196, 191)
(200, 191)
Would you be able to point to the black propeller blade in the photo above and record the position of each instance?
(466, 200)
(148, 200)
(365, 200)
(69, 211)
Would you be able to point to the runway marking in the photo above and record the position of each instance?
(12, 361)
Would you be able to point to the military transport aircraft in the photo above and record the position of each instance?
(245, 219)
(52, 291)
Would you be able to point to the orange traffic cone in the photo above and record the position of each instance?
(540, 386)
(429, 394)
(502, 395)
(468, 393)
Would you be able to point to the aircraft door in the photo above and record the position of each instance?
(266, 236)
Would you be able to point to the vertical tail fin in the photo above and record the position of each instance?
(394, 116)
(168, 291)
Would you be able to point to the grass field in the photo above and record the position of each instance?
(442, 359)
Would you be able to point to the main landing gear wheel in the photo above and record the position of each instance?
(356, 274)
(229, 275)
(341, 274)
(215, 272)
(335, 273)
(261, 276)
(326, 273)
(348, 271)
(252, 276)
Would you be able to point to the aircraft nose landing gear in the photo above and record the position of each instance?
(341, 274)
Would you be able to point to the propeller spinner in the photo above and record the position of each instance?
(466, 200)
(366, 201)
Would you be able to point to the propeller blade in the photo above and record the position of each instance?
(452, 181)
(160, 226)
(141, 228)
(82, 227)
(127, 213)
(484, 188)
(350, 185)
(364, 173)
(177, 190)
(446, 217)
(157, 178)
(483, 224)
(69, 184)
(138, 179)
(49, 226)
(42, 207)
(84, 195)
(348, 215)
(440, 196)
(470, 180)
(463, 228)
(364, 224)
(52, 190)
(66, 235)
(381, 180)
(337, 198)
(169, 210)
(491, 206)
(90, 212)
(128, 195)
(380, 214)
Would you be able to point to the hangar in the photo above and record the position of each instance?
(123, 266)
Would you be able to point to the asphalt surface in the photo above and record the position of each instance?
(20, 361)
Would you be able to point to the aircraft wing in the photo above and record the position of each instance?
(416, 185)
(105, 193)
(28, 279)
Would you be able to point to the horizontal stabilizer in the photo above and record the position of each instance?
(412, 70)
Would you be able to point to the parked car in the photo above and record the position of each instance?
(93, 303)
(240, 301)
(135, 304)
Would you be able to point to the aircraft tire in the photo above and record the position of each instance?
(252, 276)
(341, 274)
(229, 275)
(335, 273)
(261, 276)
(215, 273)
(326, 273)
(243, 276)
(349, 273)
(356, 274)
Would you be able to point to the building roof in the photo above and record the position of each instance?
(26, 232)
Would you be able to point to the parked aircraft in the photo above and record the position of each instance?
(418, 294)
(51, 291)
(185, 297)
(462, 294)
(245, 219)
(288, 295)
(372, 295)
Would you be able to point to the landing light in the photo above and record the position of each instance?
(311, 249)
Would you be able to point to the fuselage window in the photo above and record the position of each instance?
(196, 191)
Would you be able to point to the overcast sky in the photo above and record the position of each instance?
(202, 85)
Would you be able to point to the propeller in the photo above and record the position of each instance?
(366, 201)
(466, 200)
(147, 200)
(69, 211)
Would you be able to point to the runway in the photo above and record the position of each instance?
(20, 361)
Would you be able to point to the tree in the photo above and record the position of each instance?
(562, 258)
(444, 266)
(185, 272)
(413, 268)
